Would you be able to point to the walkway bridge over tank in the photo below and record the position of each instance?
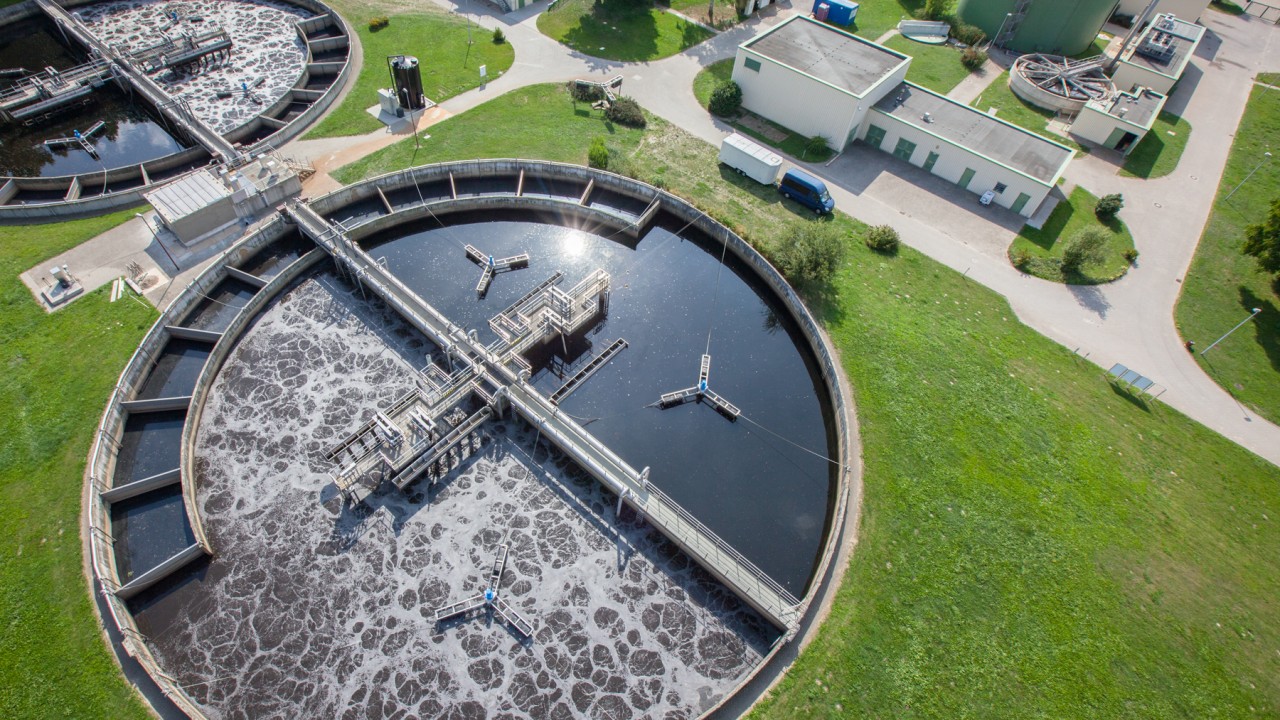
(495, 366)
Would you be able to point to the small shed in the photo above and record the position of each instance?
(194, 206)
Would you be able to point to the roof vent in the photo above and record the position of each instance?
(928, 117)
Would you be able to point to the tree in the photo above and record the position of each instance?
(1262, 240)
(1084, 247)
(598, 154)
(936, 9)
(1108, 206)
(815, 252)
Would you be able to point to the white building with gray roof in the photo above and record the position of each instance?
(818, 80)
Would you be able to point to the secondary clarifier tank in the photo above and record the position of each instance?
(1064, 27)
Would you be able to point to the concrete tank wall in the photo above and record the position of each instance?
(1064, 27)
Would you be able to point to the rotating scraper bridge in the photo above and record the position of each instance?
(42, 94)
(403, 440)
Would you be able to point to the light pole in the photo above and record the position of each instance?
(1252, 315)
(156, 237)
(1265, 157)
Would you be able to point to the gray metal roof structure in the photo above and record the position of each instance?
(1138, 109)
(826, 53)
(961, 125)
(1178, 37)
(187, 195)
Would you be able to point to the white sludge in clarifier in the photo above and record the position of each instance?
(313, 610)
(267, 54)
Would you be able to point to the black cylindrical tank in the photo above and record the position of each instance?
(408, 80)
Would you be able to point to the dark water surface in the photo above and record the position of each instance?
(754, 481)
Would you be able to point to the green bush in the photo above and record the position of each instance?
(626, 111)
(972, 58)
(498, 36)
(1020, 258)
(882, 239)
(726, 99)
(814, 146)
(379, 23)
(968, 34)
(598, 154)
(1131, 255)
(814, 254)
(1108, 206)
(1084, 247)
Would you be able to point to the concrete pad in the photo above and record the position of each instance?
(101, 260)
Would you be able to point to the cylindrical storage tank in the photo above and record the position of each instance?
(1063, 27)
(408, 79)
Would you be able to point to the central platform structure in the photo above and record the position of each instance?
(499, 375)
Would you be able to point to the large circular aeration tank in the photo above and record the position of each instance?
(1064, 27)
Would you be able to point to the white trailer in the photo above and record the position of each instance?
(751, 159)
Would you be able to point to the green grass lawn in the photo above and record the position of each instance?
(439, 41)
(1223, 285)
(724, 12)
(710, 78)
(626, 30)
(1226, 6)
(876, 17)
(1269, 78)
(936, 67)
(58, 372)
(1035, 542)
(1159, 152)
(1011, 108)
(1046, 244)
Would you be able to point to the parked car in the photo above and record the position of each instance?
(807, 190)
(750, 159)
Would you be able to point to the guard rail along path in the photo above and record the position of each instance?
(751, 584)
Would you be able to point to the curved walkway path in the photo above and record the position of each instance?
(1129, 321)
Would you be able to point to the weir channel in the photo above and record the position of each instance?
(631, 486)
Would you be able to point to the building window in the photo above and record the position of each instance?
(750, 64)
(1001, 187)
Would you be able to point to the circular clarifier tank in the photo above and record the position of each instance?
(316, 604)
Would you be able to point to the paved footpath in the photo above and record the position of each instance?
(1129, 321)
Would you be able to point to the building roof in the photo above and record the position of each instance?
(187, 195)
(1138, 108)
(833, 56)
(980, 133)
(1179, 36)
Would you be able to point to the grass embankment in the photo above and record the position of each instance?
(764, 131)
(1045, 245)
(626, 30)
(1034, 542)
(936, 67)
(1012, 109)
(1226, 6)
(449, 66)
(58, 372)
(1160, 150)
(1223, 285)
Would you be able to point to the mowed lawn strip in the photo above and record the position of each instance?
(625, 30)
(936, 67)
(449, 66)
(1035, 542)
(1224, 285)
(1158, 153)
(58, 372)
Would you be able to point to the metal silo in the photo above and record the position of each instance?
(1065, 27)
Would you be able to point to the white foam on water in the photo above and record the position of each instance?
(313, 610)
(265, 44)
